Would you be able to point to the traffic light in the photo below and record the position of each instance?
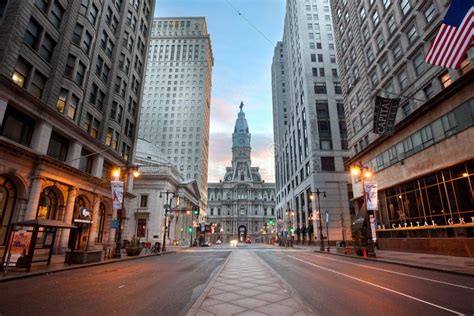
(190, 229)
(182, 229)
(291, 229)
(271, 221)
(196, 210)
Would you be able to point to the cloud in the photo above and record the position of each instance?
(220, 155)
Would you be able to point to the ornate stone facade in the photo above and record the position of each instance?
(241, 205)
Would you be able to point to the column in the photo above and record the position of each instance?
(33, 199)
(41, 137)
(95, 220)
(74, 154)
(3, 109)
(68, 213)
(97, 166)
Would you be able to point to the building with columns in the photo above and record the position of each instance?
(241, 205)
(70, 84)
(146, 213)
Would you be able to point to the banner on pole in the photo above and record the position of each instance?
(117, 194)
(370, 188)
(385, 112)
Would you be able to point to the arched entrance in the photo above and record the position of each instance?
(82, 231)
(8, 195)
(242, 233)
(48, 204)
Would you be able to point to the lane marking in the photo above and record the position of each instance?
(378, 286)
(399, 273)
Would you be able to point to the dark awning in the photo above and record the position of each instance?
(44, 223)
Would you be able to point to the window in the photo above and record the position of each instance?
(397, 51)
(321, 72)
(32, 34)
(93, 14)
(429, 91)
(365, 33)
(141, 227)
(17, 126)
(370, 54)
(86, 43)
(362, 13)
(47, 47)
(405, 6)
(83, 8)
(320, 88)
(320, 58)
(403, 79)
(465, 66)
(56, 14)
(374, 79)
(37, 84)
(392, 25)
(62, 98)
(86, 161)
(337, 88)
(445, 80)
(21, 72)
(72, 106)
(334, 73)
(412, 34)
(143, 200)
(419, 63)
(380, 41)
(58, 146)
(386, 4)
(327, 164)
(375, 18)
(76, 37)
(315, 72)
(313, 57)
(430, 12)
(384, 65)
(108, 136)
(80, 72)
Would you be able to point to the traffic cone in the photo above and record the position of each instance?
(365, 252)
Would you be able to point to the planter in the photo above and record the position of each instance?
(82, 257)
(133, 251)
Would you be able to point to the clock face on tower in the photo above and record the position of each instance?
(241, 141)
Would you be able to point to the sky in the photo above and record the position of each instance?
(241, 72)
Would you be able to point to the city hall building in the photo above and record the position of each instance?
(242, 204)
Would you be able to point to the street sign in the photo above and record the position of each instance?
(327, 216)
(166, 206)
(115, 223)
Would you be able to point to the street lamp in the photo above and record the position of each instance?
(359, 170)
(167, 209)
(116, 174)
(318, 193)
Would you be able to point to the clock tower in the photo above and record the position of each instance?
(241, 148)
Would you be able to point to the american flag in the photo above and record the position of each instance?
(455, 35)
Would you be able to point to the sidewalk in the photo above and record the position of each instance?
(58, 265)
(458, 265)
(247, 286)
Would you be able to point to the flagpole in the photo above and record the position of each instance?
(401, 95)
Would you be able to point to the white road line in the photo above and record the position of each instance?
(399, 273)
(378, 286)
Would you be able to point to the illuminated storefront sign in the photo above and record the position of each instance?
(458, 222)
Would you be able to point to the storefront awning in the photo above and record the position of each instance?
(44, 223)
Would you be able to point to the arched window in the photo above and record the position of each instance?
(48, 204)
(7, 204)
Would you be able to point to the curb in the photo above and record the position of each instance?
(410, 265)
(195, 307)
(39, 273)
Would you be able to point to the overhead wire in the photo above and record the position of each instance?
(250, 23)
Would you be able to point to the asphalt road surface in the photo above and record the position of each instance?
(160, 285)
(169, 285)
(334, 285)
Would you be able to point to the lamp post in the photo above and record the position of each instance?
(364, 173)
(116, 174)
(318, 193)
(167, 207)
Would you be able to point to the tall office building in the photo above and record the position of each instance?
(424, 170)
(70, 84)
(177, 95)
(310, 132)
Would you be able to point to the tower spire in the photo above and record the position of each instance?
(241, 105)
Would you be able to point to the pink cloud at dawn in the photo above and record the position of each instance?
(220, 155)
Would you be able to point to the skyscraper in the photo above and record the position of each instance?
(177, 94)
(70, 85)
(242, 205)
(309, 123)
(424, 169)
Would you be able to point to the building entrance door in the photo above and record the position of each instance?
(242, 233)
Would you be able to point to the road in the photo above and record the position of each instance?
(160, 285)
(169, 285)
(334, 285)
